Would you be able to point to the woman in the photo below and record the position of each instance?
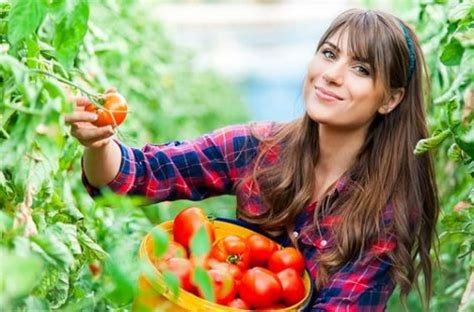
(341, 183)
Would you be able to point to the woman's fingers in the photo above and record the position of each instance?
(80, 116)
(89, 136)
(80, 100)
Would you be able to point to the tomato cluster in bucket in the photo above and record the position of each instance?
(246, 271)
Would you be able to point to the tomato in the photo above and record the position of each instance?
(261, 248)
(175, 250)
(234, 270)
(188, 222)
(224, 286)
(260, 288)
(182, 268)
(288, 257)
(95, 268)
(274, 307)
(292, 285)
(114, 110)
(238, 303)
(232, 249)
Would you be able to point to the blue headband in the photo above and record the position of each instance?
(411, 51)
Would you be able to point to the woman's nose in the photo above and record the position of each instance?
(335, 73)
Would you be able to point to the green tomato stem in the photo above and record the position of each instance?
(93, 97)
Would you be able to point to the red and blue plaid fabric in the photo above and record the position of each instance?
(212, 164)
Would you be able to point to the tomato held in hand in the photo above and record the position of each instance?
(188, 222)
(261, 248)
(260, 288)
(292, 285)
(288, 257)
(232, 249)
(114, 110)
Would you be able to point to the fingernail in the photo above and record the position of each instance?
(94, 117)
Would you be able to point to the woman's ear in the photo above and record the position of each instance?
(395, 98)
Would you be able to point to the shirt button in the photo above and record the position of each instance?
(323, 243)
(295, 234)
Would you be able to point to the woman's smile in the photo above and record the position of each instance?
(326, 95)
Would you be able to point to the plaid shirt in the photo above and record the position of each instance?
(211, 165)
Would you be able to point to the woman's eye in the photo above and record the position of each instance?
(362, 70)
(328, 54)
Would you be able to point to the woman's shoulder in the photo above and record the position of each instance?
(256, 129)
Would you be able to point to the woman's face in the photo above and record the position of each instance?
(339, 91)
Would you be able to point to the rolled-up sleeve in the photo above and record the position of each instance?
(192, 169)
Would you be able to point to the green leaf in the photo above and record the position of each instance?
(58, 294)
(68, 234)
(202, 279)
(460, 11)
(18, 274)
(54, 248)
(172, 282)
(161, 241)
(70, 31)
(25, 17)
(454, 152)
(121, 289)
(427, 144)
(87, 242)
(200, 242)
(452, 53)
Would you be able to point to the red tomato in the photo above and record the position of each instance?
(114, 110)
(231, 249)
(175, 250)
(274, 307)
(288, 257)
(95, 268)
(234, 270)
(292, 285)
(224, 286)
(182, 268)
(261, 248)
(260, 288)
(238, 303)
(188, 222)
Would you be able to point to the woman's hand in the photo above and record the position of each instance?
(83, 129)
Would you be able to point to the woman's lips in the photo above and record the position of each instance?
(327, 95)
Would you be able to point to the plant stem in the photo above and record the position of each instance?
(72, 84)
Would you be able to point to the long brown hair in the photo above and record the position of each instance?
(385, 170)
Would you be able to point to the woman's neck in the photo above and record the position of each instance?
(337, 150)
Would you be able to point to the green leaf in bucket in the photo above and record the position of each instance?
(200, 243)
(172, 282)
(161, 241)
(203, 281)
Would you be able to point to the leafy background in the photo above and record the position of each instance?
(59, 249)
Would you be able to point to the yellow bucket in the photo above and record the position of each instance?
(157, 296)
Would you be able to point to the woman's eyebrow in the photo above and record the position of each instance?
(332, 45)
(338, 50)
